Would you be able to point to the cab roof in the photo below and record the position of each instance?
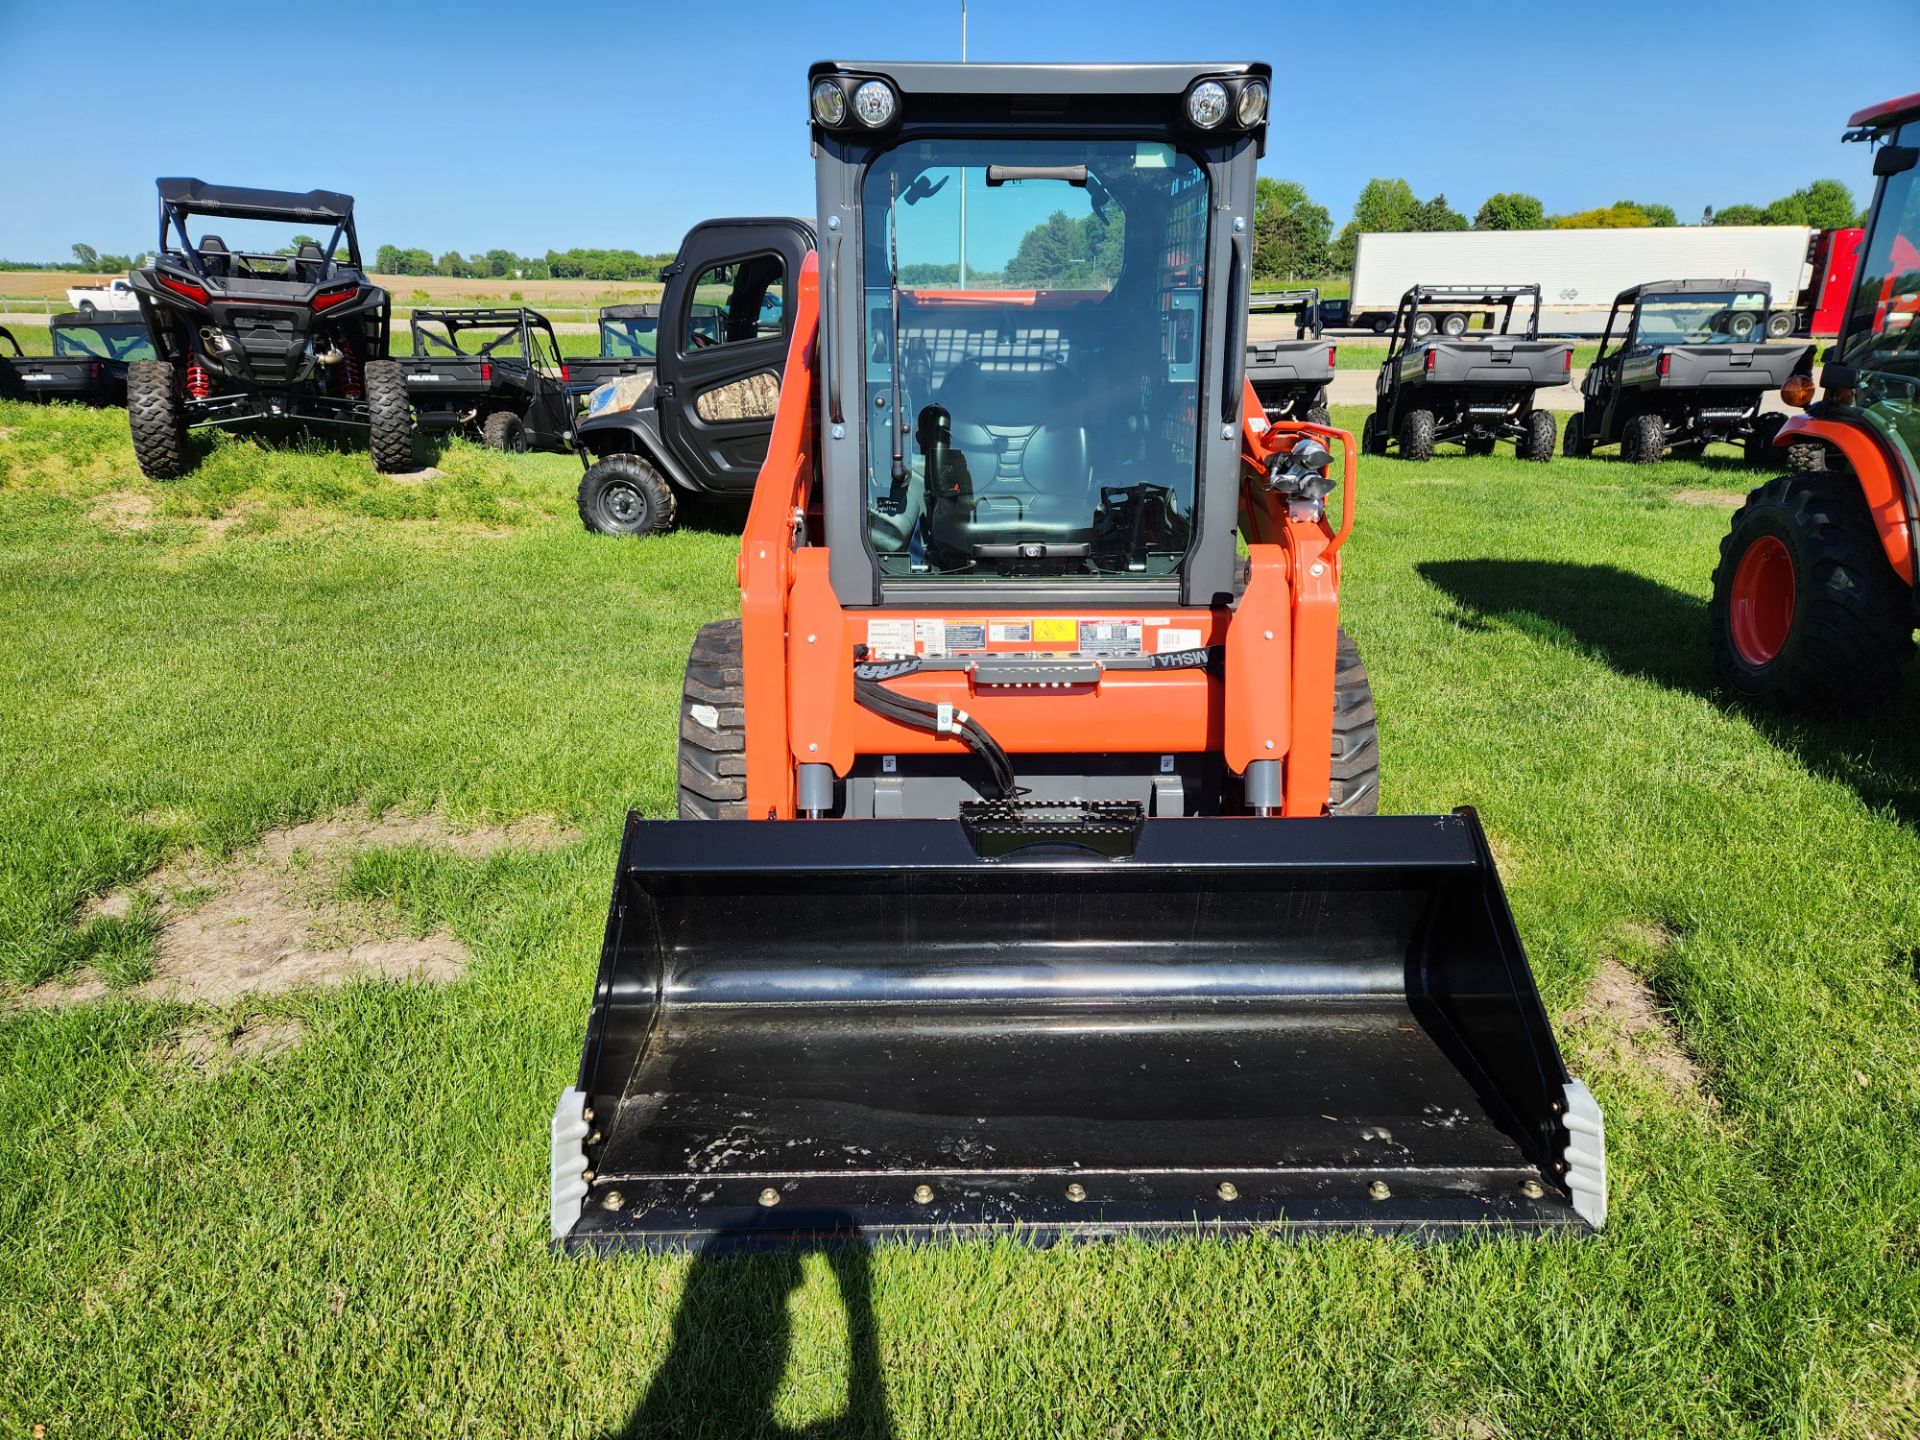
(1689, 287)
(1888, 113)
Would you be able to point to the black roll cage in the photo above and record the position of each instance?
(288, 208)
(1304, 302)
(1504, 296)
(1635, 295)
(520, 323)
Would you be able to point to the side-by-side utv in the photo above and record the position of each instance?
(1027, 879)
(1291, 376)
(1476, 389)
(495, 376)
(243, 336)
(1683, 363)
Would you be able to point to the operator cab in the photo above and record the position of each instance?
(1047, 383)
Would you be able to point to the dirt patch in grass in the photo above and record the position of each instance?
(1620, 1022)
(123, 510)
(211, 1047)
(415, 477)
(1717, 498)
(272, 919)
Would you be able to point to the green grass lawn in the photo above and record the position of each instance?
(349, 1237)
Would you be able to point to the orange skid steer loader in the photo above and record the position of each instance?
(1027, 875)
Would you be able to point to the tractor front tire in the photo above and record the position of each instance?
(389, 417)
(504, 431)
(1537, 443)
(1573, 440)
(1416, 435)
(1806, 612)
(158, 418)
(624, 495)
(1759, 447)
(1643, 441)
(1356, 736)
(1806, 455)
(713, 727)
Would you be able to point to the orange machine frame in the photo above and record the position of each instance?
(1274, 702)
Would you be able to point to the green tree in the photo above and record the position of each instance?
(1622, 216)
(1062, 253)
(1510, 210)
(1656, 214)
(387, 260)
(1290, 232)
(501, 262)
(1740, 215)
(87, 256)
(1437, 214)
(1384, 205)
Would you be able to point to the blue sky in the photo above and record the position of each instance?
(530, 126)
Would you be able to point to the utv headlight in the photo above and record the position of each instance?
(873, 104)
(829, 103)
(1253, 104)
(1207, 104)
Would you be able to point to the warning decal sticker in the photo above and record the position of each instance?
(1110, 637)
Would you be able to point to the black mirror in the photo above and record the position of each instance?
(1895, 159)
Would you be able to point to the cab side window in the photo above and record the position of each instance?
(737, 301)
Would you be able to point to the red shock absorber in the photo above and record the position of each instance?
(199, 381)
(350, 375)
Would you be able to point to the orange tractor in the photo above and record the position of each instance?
(1027, 873)
(1814, 601)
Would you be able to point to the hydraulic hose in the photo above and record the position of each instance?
(871, 693)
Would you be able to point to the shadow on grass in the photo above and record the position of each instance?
(1641, 627)
(731, 1336)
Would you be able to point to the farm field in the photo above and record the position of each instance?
(403, 717)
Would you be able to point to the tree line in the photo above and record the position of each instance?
(1294, 238)
(576, 264)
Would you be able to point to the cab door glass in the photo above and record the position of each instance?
(1883, 324)
(736, 301)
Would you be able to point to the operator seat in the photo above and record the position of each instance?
(215, 258)
(1022, 429)
(310, 263)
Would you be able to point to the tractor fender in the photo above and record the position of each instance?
(1882, 482)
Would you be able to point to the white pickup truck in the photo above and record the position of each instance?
(114, 295)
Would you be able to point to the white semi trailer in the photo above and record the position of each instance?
(1580, 271)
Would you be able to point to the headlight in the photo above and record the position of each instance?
(873, 104)
(829, 103)
(1253, 103)
(1207, 104)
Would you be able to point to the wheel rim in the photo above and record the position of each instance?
(1761, 609)
(624, 506)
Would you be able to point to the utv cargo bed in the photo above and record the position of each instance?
(853, 1028)
(1491, 360)
(1753, 368)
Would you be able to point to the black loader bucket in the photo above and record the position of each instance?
(863, 1028)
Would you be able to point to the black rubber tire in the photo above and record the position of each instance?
(158, 419)
(1416, 435)
(1573, 440)
(505, 431)
(1421, 326)
(1759, 447)
(1318, 415)
(1479, 445)
(389, 417)
(1644, 440)
(1381, 324)
(1373, 440)
(1537, 443)
(1356, 737)
(86, 307)
(713, 727)
(1453, 325)
(1851, 633)
(1780, 324)
(624, 495)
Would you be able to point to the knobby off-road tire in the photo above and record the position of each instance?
(1643, 441)
(1318, 415)
(1759, 446)
(624, 495)
(1373, 437)
(713, 727)
(1573, 440)
(505, 431)
(1537, 443)
(1356, 737)
(1416, 435)
(389, 416)
(1838, 620)
(1806, 455)
(158, 418)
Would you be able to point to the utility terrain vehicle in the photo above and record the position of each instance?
(494, 376)
(1291, 376)
(1814, 602)
(243, 336)
(1027, 878)
(1682, 363)
(695, 423)
(1476, 389)
(88, 366)
(629, 335)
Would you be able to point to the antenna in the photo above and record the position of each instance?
(963, 169)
